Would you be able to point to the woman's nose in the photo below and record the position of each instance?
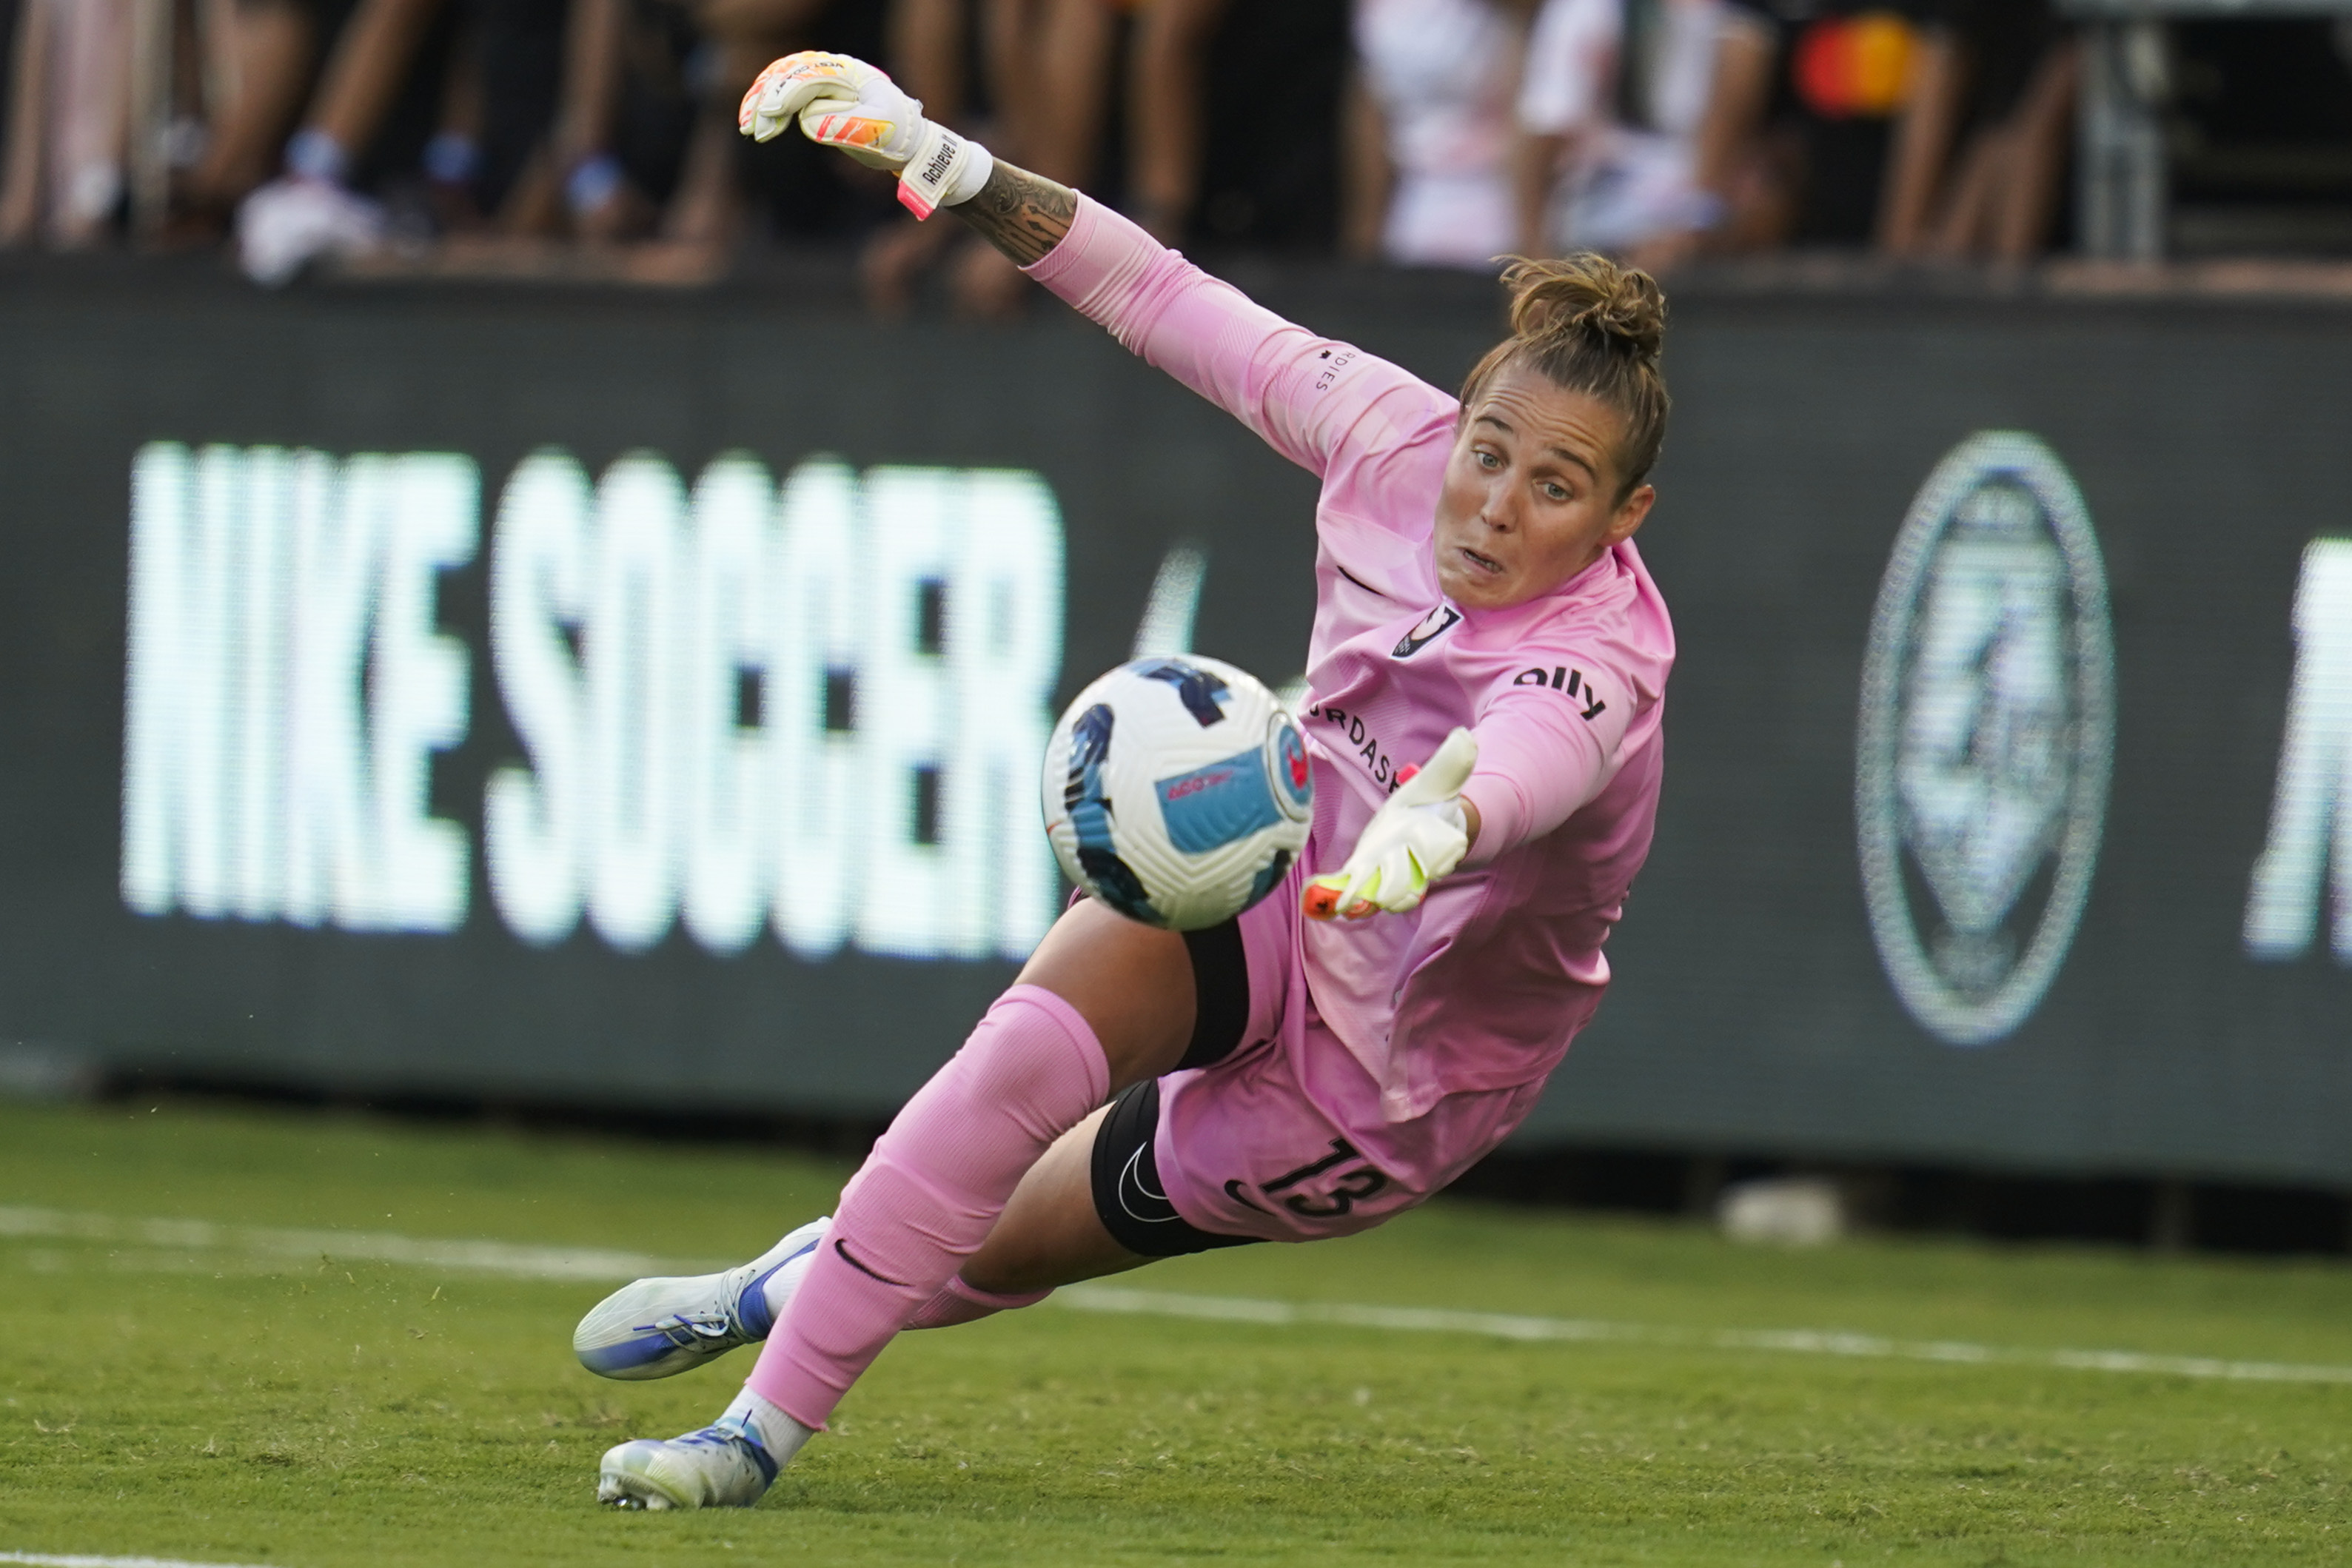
(1497, 511)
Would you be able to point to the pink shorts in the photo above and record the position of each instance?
(1284, 1140)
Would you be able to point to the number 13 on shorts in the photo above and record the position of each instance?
(1301, 1192)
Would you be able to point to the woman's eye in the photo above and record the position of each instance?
(1488, 460)
(1555, 492)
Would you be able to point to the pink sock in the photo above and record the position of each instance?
(924, 1200)
(958, 1302)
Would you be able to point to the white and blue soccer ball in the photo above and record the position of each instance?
(1178, 791)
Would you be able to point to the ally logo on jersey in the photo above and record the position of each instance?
(1568, 682)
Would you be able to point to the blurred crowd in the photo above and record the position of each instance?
(1426, 132)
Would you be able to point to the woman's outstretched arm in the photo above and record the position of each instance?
(1303, 393)
(1023, 215)
(1306, 395)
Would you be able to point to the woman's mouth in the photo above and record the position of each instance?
(1482, 562)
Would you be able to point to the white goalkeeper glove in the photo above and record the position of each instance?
(1419, 833)
(847, 103)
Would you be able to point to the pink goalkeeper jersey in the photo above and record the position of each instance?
(1484, 985)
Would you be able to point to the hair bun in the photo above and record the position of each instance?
(1589, 326)
(1587, 295)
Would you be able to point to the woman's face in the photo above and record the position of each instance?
(1530, 493)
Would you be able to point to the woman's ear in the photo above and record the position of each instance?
(1631, 513)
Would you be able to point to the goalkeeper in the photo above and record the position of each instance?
(1353, 1043)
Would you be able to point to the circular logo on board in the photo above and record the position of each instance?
(1986, 737)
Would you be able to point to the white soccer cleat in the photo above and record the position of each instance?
(717, 1466)
(659, 1328)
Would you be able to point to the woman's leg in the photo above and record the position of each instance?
(1102, 1003)
(1050, 1234)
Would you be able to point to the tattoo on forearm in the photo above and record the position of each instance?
(1023, 215)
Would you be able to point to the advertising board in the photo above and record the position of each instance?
(638, 701)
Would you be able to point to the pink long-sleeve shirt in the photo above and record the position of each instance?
(1484, 985)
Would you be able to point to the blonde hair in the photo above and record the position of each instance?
(1592, 326)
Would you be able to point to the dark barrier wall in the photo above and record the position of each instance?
(637, 701)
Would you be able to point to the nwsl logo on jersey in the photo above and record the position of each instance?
(1433, 626)
(1987, 727)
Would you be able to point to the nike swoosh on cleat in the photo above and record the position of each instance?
(753, 1319)
(847, 1258)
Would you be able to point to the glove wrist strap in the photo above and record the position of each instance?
(943, 170)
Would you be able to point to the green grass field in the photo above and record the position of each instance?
(207, 1397)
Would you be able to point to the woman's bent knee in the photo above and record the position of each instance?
(1131, 983)
(1050, 1234)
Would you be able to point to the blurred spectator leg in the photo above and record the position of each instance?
(1964, 224)
(20, 189)
(581, 182)
(370, 63)
(2039, 146)
(573, 181)
(69, 118)
(899, 254)
(214, 54)
(1072, 82)
(986, 286)
(311, 212)
(707, 207)
(1166, 92)
(533, 207)
(1366, 177)
(1008, 36)
(1537, 161)
(1733, 167)
(88, 181)
(2004, 197)
(151, 121)
(928, 42)
(272, 45)
(1049, 74)
(1922, 148)
(520, 53)
(453, 158)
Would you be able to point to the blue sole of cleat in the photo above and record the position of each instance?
(625, 1360)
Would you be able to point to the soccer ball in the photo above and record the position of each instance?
(1177, 791)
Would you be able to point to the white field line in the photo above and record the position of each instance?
(592, 1264)
(51, 1560)
(516, 1262)
(1801, 1341)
